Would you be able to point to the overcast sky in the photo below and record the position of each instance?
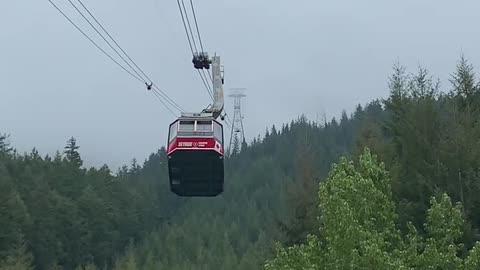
(294, 57)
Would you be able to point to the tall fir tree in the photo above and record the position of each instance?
(71, 153)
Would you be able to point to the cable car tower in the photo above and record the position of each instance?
(237, 131)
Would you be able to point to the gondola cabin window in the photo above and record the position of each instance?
(173, 132)
(204, 126)
(195, 128)
(187, 126)
(218, 132)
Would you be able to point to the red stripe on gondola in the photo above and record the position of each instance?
(195, 144)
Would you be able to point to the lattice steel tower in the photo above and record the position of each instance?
(237, 122)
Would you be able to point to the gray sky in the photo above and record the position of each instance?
(294, 57)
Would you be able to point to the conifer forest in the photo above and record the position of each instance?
(393, 184)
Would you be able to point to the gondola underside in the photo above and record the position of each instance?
(196, 173)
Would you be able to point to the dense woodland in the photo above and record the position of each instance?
(393, 185)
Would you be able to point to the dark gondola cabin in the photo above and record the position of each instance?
(195, 156)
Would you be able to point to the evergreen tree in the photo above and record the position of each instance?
(244, 145)
(14, 218)
(236, 145)
(19, 259)
(4, 144)
(71, 153)
(465, 85)
(134, 167)
(302, 194)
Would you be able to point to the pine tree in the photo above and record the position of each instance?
(465, 86)
(236, 146)
(71, 153)
(14, 217)
(244, 145)
(19, 259)
(4, 144)
(134, 167)
(302, 197)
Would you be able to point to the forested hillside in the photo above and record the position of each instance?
(358, 227)
(70, 216)
(399, 214)
(55, 214)
(65, 215)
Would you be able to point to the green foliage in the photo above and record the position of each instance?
(473, 260)
(5, 145)
(72, 217)
(360, 217)
(358, 228)
(236, 230)
(357, 214)
(71, 153)
(301, 198)
(18, 259)
(236, 145)
(431, 144)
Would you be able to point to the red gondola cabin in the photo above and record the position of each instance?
(195, 156)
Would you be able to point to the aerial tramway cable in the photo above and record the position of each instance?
(189, 26)
(196, 25)
(134, 63)
(94, 43)
(162, 97)
(191, 39)
(109, 44)
(191, 172)
(200, 41)
(136, 72)
(169, 100)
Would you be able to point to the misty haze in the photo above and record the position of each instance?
(330, 135)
